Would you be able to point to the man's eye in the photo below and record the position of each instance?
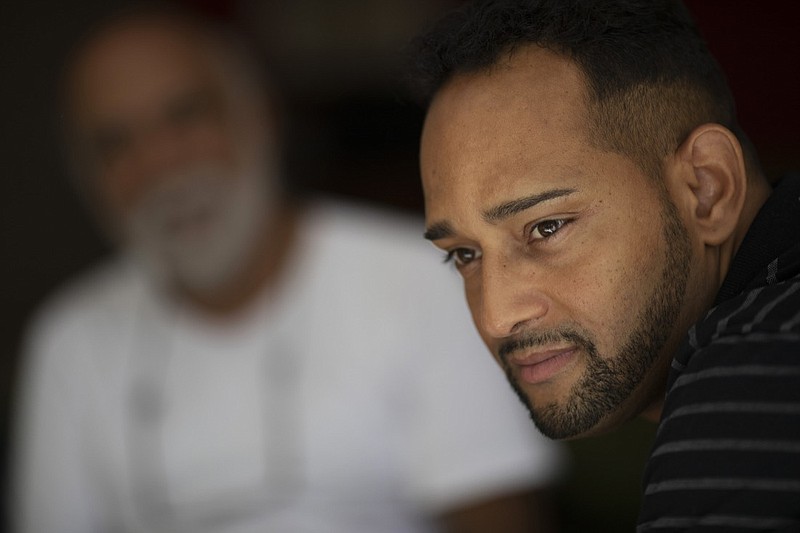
(546, 229)
(462, 256)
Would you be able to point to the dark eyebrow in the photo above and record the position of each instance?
(437, 231)
(443, 229)
(508, 209)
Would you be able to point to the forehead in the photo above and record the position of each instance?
(523, 117)
(133, 67)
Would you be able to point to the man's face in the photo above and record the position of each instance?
(574, 264)
(171, 165)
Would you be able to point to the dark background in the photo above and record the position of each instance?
(359, 138)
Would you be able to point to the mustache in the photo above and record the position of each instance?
(534, 339)
(187, 190)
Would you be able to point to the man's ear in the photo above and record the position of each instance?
(712, 181)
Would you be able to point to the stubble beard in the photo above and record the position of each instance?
(608, 381)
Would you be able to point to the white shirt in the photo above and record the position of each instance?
(355, 397)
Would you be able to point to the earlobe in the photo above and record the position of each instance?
(715, 181)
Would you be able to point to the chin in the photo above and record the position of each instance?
(578, 412)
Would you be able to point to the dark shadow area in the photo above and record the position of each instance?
(359, 141)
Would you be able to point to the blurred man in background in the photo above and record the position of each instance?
(248, 363)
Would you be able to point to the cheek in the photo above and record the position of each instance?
(472, 293)
(609, 289)
(118, 189)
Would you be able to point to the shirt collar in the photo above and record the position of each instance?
(775, 230)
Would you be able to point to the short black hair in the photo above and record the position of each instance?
(649, 75)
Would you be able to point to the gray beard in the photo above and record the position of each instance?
(198, 229)
(608, 381)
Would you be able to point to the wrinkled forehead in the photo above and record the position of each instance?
(132, 67)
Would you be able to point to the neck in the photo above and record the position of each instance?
(758, 191)
(653, 412)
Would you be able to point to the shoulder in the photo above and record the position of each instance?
(366, 226)
(740, 345)
(369, 243)
(759, 318)
(374, 270)
(83, 306)
(728, 441)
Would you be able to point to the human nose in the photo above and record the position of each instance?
(511, 297)
(158, 151)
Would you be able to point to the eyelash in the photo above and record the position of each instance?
(450, 256)
(561, 222)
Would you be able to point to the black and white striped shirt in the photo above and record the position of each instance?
(727, 453)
